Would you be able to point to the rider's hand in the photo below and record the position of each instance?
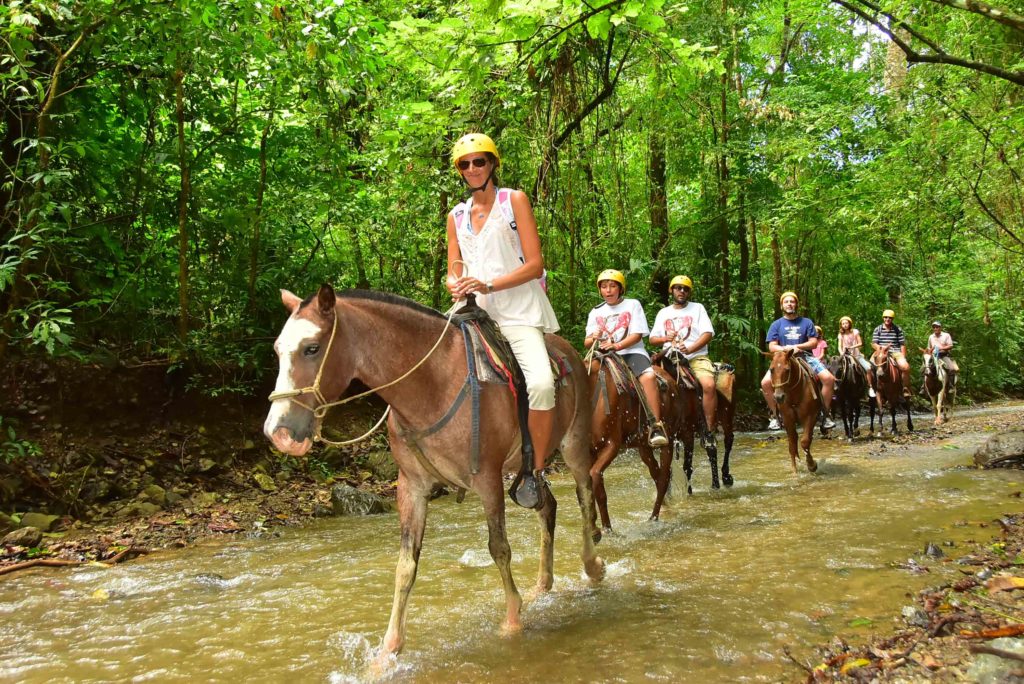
(607, 345)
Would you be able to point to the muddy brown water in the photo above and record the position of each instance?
(713, 592)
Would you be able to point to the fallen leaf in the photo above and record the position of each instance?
(1004, 583)
(854, 664)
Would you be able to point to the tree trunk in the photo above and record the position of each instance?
(183, 198)
(658, 207)
(257, 220)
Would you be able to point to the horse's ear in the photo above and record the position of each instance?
(325, 300)
(290, 301)
(790, 352)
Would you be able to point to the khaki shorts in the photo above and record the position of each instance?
(527, 344)
(702, 366)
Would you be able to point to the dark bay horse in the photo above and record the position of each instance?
(798, 399)
(618, 423)
(329, 341)
(889, 391)
(850, 388)
(939, 385)
(694, 422)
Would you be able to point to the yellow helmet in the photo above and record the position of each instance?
(680, 280)
(612, 274)
(473, 142)
(846, 318)
(789, 293)
(888, 313)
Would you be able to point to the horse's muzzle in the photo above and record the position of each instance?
(288, 430)
(780, 397)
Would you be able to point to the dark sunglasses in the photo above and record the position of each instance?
(479, 163)
(886, 318)
(684, 288)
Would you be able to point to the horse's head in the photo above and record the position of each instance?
(781, 369)
(927, 363)
(309, 373)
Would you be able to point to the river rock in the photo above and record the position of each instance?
(140, 509)
(992, 669)
(154, 494)
(26, 536)
(40, 521)
(382, 465)
(346, 500)
(265, 482)
(1001, 450)
(7, 523)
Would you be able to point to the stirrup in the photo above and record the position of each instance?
(525, 489)
(656, 435)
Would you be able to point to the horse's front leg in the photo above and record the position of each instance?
(664, 476)
(789, 421)
(412, 515)
(493, 500)
(805, 442)
(687, 438)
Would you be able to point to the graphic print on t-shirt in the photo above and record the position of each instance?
(614, 327)
(791, 334)
(678, 327)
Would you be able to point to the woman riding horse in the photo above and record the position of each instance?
(498, 258)
(849, 342)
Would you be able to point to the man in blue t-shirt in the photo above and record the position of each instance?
(797, 332)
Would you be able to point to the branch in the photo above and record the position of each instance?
(939, 57)
(579, 20)
(1014, 21)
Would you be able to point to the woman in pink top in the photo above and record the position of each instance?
(850, 343)
(819, 350)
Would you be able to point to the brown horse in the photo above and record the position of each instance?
(798, 399)
(889, 391)
(329, 341)
(693, 420)
(617, 424)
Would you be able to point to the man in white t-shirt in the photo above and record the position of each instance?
(939, 344)
(619, 324)
(685, 328)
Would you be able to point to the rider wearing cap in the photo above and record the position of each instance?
(500, 263)
(796, 332)
(849, 342)
(619, 324)
(890, 336)
(940, 343)
(685, 327)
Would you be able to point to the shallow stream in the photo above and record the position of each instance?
(713, 592)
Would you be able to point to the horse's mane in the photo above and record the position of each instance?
(388, 298)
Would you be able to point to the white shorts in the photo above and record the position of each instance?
(527, 344)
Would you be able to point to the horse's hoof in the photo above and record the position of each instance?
(727, 479)
(715, 484)
(812, 467)
(689, 490)
(382, 666)
(595, 569)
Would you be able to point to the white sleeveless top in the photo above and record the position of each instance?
(493, 252)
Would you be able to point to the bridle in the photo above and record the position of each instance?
(320, 410)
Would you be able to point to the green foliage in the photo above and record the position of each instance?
(316, 139)
(13, 448)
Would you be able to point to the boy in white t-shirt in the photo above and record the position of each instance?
(686, 327)
(619, 324)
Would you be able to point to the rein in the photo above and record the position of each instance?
(323, 406)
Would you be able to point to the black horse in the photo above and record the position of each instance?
(850, 387)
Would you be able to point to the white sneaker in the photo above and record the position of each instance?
(871, 392)
(829, 423)
(774, 425)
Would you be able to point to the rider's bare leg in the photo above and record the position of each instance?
(541, 424)
(769, 394)
(710, 398)
(828, 383)
(649, 382)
